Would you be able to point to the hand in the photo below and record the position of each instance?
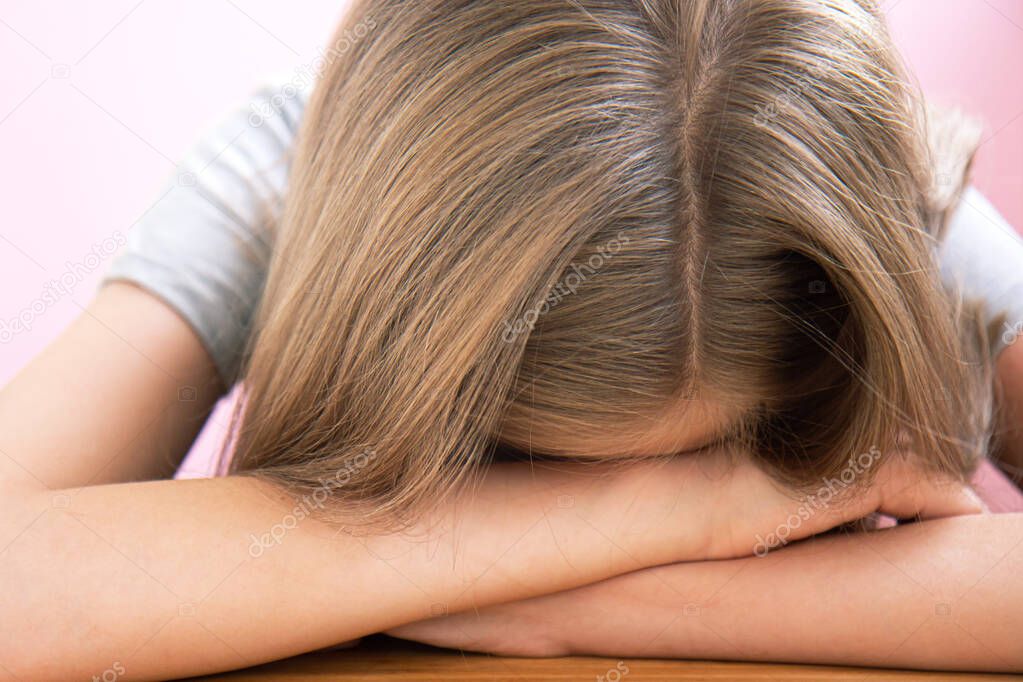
(703, 609)
(749, 508)
(757, 514)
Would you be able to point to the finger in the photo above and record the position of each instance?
(926, 498)
(981, 504)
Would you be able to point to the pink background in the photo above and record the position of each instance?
(98, 100)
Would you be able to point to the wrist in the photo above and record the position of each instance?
(662, 511)
(543, 632)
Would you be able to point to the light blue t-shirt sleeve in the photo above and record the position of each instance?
(204, 245)
(982, 257)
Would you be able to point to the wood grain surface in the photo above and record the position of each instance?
(385, 660)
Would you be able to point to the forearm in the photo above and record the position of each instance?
(119, 396)
(164, 577)
(940, 594)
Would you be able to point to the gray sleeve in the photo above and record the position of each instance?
(203, 247)
(982, 256)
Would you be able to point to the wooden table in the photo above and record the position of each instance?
(386, 660)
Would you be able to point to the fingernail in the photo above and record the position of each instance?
(972, 494)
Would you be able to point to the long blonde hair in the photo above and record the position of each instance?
(739, 192)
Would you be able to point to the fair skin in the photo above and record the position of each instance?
(938, 595)
(112, 565)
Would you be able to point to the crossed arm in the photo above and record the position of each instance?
(160, 576)
(942, 594)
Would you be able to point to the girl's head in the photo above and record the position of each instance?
(605, 228)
